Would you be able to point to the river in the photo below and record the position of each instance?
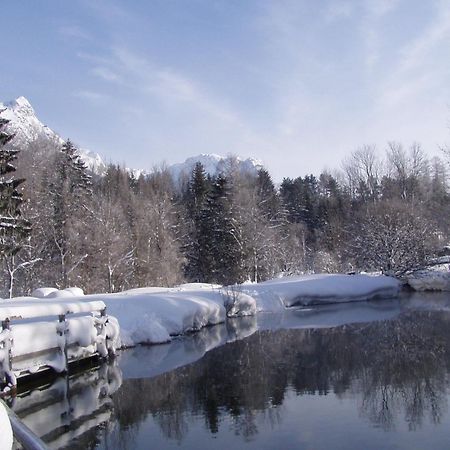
(359, 375)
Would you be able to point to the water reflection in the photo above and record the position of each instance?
(320, 378)
(394, 371)
(69, 411)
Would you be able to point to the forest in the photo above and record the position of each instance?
(61, 225)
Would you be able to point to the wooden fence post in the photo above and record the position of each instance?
(62, 331)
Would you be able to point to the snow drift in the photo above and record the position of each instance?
(155, 314)
(321, 288)
(436, 278)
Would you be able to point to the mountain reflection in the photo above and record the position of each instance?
(395, 370)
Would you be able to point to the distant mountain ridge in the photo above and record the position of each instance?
(214, 164)
(28, 128)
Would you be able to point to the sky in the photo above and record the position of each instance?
(298, 84)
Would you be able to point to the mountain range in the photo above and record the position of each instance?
(27, 128)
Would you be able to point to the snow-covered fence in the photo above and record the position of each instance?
(38, 334)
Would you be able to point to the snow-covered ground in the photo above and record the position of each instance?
(154, 315)
(318, 289)
(6, 435)
(434, 278)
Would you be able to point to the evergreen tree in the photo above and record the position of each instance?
(14, 229)
(195, 198)
(70, 189)
(220, 239)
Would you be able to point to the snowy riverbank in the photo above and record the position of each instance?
(434, 278)
(155, 315)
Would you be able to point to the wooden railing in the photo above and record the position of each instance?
(41, 334)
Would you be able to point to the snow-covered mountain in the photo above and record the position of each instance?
(27, 128)
(215, 164)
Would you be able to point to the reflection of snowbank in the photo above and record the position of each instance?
(69, 407)
(180, 352)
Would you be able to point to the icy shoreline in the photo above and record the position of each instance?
(155, 315)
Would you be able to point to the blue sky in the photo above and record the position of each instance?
(297, 83)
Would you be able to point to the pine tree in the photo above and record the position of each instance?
(14, 229)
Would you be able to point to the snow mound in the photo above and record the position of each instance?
(321, 288)
(6, 434)
(43, 292)
(75, 291)
(65, 293)
(436, 278)
(238, 304)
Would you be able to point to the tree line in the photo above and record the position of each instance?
(66, 226)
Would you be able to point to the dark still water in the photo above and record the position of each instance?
(314, 379)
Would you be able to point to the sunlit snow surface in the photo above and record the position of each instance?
(155, 314)
(6, 437)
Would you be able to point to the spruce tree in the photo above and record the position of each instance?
(195, 199)
(220, 239)
(14, 229)
(69, 190)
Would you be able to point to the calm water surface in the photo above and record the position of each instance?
(353, 376)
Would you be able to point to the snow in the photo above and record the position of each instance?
(42, 292)
(435, 278)
(28, 128)
(321, 288)
(28, 307)
(6, 434)
(155, 315)
(213, 165)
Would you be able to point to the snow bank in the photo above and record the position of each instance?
(6, 434)
(154, 315)
(436, 278)
(48, 292)
(322, 288)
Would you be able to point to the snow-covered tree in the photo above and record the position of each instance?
(14, 229)
(391, 237)
(69, 191)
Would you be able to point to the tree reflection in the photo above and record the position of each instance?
(396, 369)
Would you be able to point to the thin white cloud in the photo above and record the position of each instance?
(338, 10)
(91, 96)
(422, 66)
(374, 11)
(105, 74)
(415, 54)
(168, 85)
(379, 8)
(74, 31)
